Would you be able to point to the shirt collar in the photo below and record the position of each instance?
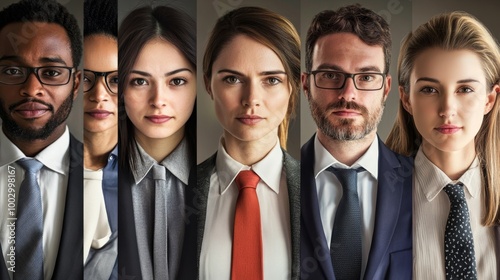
(267, 168)
(432, 179)
(323, 159)
(55, 156)
(177, 162)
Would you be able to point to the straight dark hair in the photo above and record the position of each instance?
(138, 28)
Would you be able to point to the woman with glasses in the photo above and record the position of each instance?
(100, 102)
(449, 120)
(157, 93)
(246, 198)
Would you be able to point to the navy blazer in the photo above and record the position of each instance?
(69, 262)
(390, 254)
(196, 207)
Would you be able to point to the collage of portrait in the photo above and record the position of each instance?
(249, 139)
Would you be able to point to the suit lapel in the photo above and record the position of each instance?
(292, 168)
(311, 219)
(389, 199)
(69, 263)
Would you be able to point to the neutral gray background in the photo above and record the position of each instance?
(75, 119)
(209, 129)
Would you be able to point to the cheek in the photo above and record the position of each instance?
(134, 103)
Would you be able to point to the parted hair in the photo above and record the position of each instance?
(455, 31)
(270, 29)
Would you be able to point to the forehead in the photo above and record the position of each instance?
(160, 55)
(35, 43)
(347, 52)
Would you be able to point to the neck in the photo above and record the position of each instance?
(455, 163)
(32, 147)
(347, 152)
(97, 147)
(249, 152)
(159, 148)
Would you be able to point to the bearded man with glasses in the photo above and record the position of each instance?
(41, 174)
(355, 193)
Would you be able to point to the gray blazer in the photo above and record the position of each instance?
(196, 207)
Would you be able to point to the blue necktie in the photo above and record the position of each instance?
(460, 260)
(345, 246)
(29, 228)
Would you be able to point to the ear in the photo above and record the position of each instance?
(490, 98)
(405, 100)
(208, 86)
(305, 83)
(387, 88)
(76, 84)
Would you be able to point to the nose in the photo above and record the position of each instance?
(252, 95)
(32, 86)
(348, 92)
(158, 96)
(447, 105)
(99, 92)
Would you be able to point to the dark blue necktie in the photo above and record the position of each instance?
(29, 227)
(460, 260)
(345, 246)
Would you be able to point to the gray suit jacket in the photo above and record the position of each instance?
(196, 207)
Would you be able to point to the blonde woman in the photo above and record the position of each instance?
(449, 70)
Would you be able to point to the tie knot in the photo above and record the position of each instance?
(247, 179)
(455, 192)
(348, 178)
(159, 172)
(30, 165)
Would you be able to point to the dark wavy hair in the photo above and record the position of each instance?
(48, 11)
(139, 27)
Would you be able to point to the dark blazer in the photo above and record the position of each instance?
(69, 262)
(390, 254)
(196, 207)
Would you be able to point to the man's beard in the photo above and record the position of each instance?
(11, 128)
(345, 130)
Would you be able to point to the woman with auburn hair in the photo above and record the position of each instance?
(245, 199)
(157, 93)
(449, 114)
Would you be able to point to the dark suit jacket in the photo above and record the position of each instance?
(196, 207)
(69, 262)
(391, 250)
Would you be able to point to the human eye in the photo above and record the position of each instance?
(138, 82)
(465, 89)
(428, 90)
(273, 81)
(177, 82)
(366, 78)
(12, 71)
(113, 79)
(51, 71)
(231, 80)
(87, 78)
(331, 75)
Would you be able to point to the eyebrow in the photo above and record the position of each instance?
(18, 59)
(326, 66)
(263, 73)
(432, 80)
(166, 74)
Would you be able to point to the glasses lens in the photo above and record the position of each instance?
(52, 75)
(12, 74)
(369, 81)
(88, 80)
(112, 82)
(328, 79)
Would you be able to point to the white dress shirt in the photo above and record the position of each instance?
(52, 179)
(272, 192)
(431, 207)
(330, 192)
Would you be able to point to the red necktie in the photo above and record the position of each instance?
(247, 233)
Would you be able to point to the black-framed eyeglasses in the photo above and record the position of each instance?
(110, 79)
(46, 75)
(327, 79)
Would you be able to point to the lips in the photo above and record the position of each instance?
(99, 114)
(250, 119)
(448, 129)
(346, 113)
(31, 110)
(158, 119)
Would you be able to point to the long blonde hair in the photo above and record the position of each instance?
(455, 31)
